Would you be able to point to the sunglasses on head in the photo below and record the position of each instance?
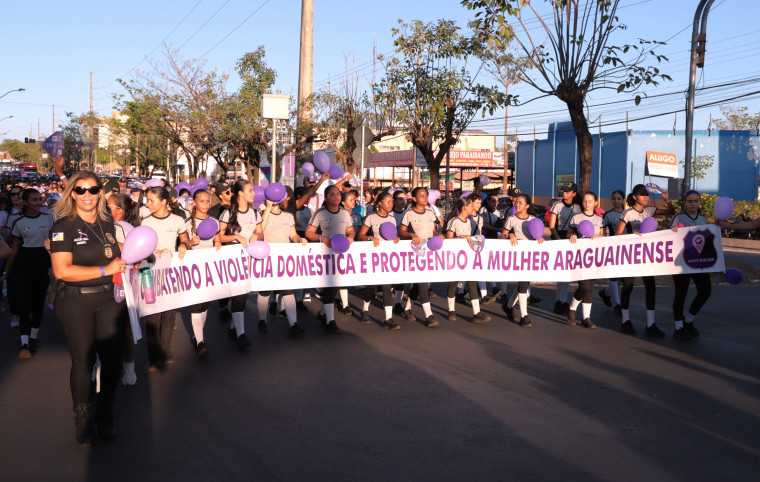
(94, 190)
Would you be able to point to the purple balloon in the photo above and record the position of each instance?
(733, 276)
(200, 183)
(126, 227)
(724, 208)
(259, 194)
(139, 244)
(513, 210)
(258, 249)
(183, 185)
(335, 172)
(388, 231)
(433, 196)
(649, 225)
(435, 243)
(307, 169)
(275, 192)
(586, 228)
(154, 183)
(536, 228)
(321, 161)
(340, 243)
(207, 228)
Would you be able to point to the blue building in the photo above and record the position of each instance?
(619, 161)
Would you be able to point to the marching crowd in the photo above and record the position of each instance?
(63, 240)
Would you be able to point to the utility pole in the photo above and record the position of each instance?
(306, 67)
(698, 41)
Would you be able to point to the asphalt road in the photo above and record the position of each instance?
(460, 402)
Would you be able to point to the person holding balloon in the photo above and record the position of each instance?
(378, 226)
(84, 258)
(203, 233)
(460, 225)
(685, 330)
(170, 228)
(522, 226)
(587, 224)
(124, 215)
(611, 218)
(241, 224)
(419, 224)
(330, 220)
(279, 227)
(559, 223)
(631, 221)
(349, 203)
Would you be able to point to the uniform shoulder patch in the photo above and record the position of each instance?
(57, 236)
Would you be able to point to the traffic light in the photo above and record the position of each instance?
(29, 141)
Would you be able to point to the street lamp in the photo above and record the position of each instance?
(14, 90)
(6, 117)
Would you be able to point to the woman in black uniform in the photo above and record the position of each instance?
(29, 264)
(85, 256)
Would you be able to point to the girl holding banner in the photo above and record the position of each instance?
(170, 227)
(349, 203)
(240, 224)
(585, 287)
(279, 226)
(685, 329)
(419, 223)
(460, 225)
(329, 220)
(199, 312)
(611, 295)
(371, 231)
(630, 222)
(516, 228)
(123, 208)
(559, 223)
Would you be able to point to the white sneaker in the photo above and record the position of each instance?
(129, 377)
(14, 321)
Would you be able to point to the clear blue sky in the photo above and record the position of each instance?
(49, 48)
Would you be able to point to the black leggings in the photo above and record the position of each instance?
(199, 308)
(472, 286)
(704, 289)
(238, 302)
(92, 323)
(585, 290)
(159, 329)
(649, 288)
(369, 293)
(421, 289)
(522, 287)
(282, 293)
(31, 278)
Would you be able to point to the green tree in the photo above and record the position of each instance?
(699, 167)
(20, 151)
(576, 56)
(427, 83)
(736, 118)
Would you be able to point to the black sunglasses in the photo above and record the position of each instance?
(94, 190)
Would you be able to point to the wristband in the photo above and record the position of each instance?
(62, 177)
(102, 271)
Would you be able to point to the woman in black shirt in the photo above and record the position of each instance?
(85, 256)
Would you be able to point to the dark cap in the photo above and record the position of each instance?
(515, 191)
(221, 187)
(110, 185)
(569, 187)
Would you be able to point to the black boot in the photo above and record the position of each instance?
(104, 418)
(83, 421)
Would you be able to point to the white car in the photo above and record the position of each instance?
(159, 175)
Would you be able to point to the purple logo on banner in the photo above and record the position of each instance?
(699, 250)
(54, 144)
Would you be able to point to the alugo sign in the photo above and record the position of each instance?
(663, 164)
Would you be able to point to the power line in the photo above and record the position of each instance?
(234, 29)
